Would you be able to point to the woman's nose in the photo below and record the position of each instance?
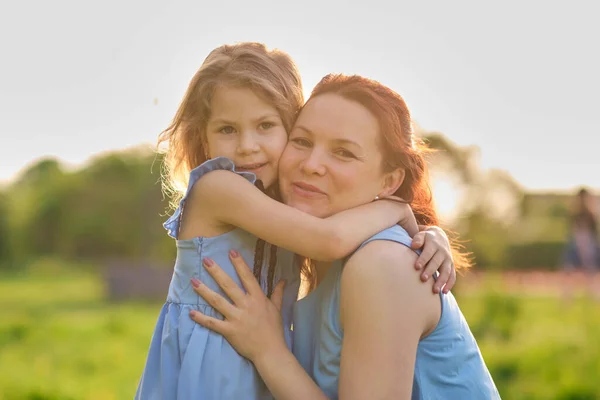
(313, 164)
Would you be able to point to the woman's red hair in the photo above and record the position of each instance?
(400, 147)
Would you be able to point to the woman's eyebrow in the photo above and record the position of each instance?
(348, 141)
(303, 128)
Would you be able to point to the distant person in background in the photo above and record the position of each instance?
(583, 251)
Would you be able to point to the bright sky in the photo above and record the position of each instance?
(519, 79)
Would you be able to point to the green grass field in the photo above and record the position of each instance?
(59, 339)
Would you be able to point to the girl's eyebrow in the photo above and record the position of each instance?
(224, 121)
(267, 116)
(220, 121)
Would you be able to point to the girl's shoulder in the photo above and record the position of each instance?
(214, 164)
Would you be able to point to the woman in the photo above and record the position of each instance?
(370, 329)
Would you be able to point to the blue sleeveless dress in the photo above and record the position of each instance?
(186, 360)
(448, 366)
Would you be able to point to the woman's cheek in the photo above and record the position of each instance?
(352, 188)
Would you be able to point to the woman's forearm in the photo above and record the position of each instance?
(285, 377)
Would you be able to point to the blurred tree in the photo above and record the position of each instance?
(489, 200)
(113, 207)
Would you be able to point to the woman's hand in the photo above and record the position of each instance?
(436, 255)
(253, 323)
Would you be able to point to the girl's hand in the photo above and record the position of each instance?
(436, 255)
(253, 323)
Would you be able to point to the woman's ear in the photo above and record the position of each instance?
(392, 182)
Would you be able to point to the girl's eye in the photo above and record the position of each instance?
(266, 125)
(345, 153)
(300, 141)
(227, 130)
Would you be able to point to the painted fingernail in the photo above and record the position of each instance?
(419, 265)
(193, 313)
(195, 283)
(208, 262)
(425, 276)
(436, 290)
(234, 254)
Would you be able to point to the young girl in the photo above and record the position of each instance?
(226, 137)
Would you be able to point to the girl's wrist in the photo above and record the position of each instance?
(273, 355)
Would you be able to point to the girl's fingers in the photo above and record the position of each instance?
(245, 274)
(445, 272)
(425, 256)
(211, 323)
(217, 301)
(277, 295)
(451, 281)
(229, 286)
(418, 241)
(433, 265)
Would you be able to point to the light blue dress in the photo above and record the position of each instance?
(448, 366)
(185, 360)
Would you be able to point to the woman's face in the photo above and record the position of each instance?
(333, 161)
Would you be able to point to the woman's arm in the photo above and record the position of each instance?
(384, 311)
(233, 200)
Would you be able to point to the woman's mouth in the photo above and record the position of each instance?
(303, 189)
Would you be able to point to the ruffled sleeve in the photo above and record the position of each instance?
(224, 163)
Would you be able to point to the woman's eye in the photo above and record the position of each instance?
(266, 125)
(345, 153)
(300, 142)
(227, 130)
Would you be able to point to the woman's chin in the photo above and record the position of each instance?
(311, 210)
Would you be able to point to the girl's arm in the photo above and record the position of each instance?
(233, 200)
(384, 311)
(253, 326)
(285, 377)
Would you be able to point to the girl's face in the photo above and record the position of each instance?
(247, 130)
(333, 159)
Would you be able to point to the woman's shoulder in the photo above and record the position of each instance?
(382, 252)
(391, 240)
(382, 276)
(384, 258)
(395, 233)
